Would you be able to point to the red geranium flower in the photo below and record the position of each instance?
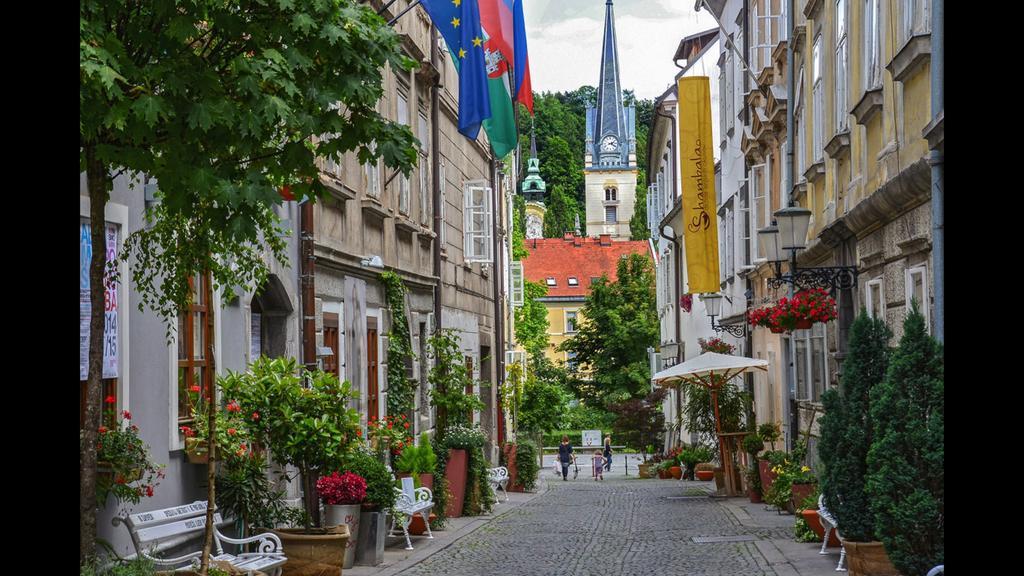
(127, 415)
(110, 400)
(103, 429)
(231, 431)
(194, 388)
(255, 415)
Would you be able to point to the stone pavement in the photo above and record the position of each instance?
(621, 526)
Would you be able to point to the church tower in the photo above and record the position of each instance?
(533, 191)
(609, 161)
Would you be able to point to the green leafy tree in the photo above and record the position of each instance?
(620, 323)
(638, 229)
(559, 218)
(519, 251)
(544, 402)
(532, 319)
(906, 462)
(223, 104)
(846, 432)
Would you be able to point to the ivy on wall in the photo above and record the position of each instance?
(401, 388)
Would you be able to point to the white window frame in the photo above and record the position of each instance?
(801, 123)
(575, 315)
(915, 16)
(730, 242)
(819, 100)
(870, 288)
(477, 222)
(745, 228)
(573, 281)
(444, 204)
(550, 281)
(424, 172)
(809, 338)
(759, 182)
(841, 66)
(924, 305)
(372, 172)
(872, 59)
(402, 115)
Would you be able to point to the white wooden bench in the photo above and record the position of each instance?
(499, 477)
(412, 501)
(150, 529)
(829, 523)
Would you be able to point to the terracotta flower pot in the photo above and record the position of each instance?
(814, 521)
(416, 527)
(197, 451)
(799, 492)
(427, 480)
(764, 468)
(868, 559)
(705, 475)
(456, 474)
(663, 474)
(804, 324)
(677, 472)
(754, 495)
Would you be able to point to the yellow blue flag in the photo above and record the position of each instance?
(458, 21)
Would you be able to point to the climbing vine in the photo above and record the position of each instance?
(401, 388)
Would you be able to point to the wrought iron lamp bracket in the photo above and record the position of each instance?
(735, 330)
(830, 278)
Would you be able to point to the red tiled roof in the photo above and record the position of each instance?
(561, 258)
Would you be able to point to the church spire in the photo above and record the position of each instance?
(533, 141)
(610, 125)
(533, 185)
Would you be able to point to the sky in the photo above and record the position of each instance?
(564, 40)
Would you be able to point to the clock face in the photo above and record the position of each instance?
(609, 144)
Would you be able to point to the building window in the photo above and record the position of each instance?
(811, 362)
(477, 226)
(424, 172)
(403, 180)
(195, 367)
(551, 281)
(819, 100)
(744, 224)
(916, 18)
(372, 171)
(768, 28)
(610, 214)
(759, 181)
(611, 195)
(570, 322)
(917, 289)
(875, 299)
(730, 237)
(570, 362)
(573, 281)
(798, 119)
(444, 202)
(840, 69)
(872, 61)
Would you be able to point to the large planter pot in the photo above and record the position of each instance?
(455, 472)
(754, 495)
(417, 527)
(373, 529)
(705, 475)
(868, 559)
(664, 474)
(510, 463)
(676, 471)
(814, 521)
(764, 468)
(348, 515)
(644, 470)
(800, 492)
(719, 475)
(427, 480)
(320, 553)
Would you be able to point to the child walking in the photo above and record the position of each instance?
(598, 465)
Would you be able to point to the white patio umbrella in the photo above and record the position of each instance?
(711, 370)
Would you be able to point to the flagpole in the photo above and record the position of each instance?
(402, 13)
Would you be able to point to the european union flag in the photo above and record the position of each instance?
(459, 24)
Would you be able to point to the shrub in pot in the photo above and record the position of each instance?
(705, 471)
(418, 462)
(752, 445)
(846, 436)
(380, 497)
(906, 461)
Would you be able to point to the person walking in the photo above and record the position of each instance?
(608, 453)
(598, 470)
(565, 457)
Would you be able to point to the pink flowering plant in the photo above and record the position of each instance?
(125, 466)
(716, 345)
(341, 489)
(815, 305)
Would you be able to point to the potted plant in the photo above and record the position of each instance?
(233, 437)
(308, 426)
(389, 436)
(846, 435)
(246, 493)
(124, 465)
(802, 484)
(459, 441)
(752, 445)
(342, 495)
(418, 462)
(380, 499)
(906, 461)
(705, 471)
(674, 468)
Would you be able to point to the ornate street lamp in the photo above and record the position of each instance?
(790, 235)
(713, 306)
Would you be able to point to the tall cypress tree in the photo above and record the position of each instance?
(846, 431)
(907, 458)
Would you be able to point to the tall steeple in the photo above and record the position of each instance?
(533, 185)
(610, 128)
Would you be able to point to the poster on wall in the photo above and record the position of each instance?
(110, 333)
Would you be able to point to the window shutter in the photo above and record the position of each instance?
(477, 227)
(518, 295)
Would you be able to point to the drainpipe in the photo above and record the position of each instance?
(498, 350)
(435, 172)
(307, 275)
(936, 160)
(790, 417)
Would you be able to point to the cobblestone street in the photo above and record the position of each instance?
(622, 526)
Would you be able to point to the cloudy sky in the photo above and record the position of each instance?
(564, 39)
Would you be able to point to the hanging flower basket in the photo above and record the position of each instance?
(800, 313)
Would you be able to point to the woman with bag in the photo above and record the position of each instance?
(608, 452)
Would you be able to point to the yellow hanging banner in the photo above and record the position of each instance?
(697, 169)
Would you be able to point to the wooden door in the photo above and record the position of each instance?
(331, 363)
(372, 391)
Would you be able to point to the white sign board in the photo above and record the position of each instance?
(110, 342)
(591, 438)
